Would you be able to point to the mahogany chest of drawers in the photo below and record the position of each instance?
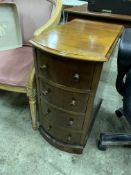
(67, 77)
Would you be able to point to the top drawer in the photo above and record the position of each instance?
(68, 72)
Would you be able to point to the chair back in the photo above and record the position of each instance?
(33, 14)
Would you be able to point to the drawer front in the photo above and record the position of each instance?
(67, 100)
(68, 72)
(61, 135)
(59, 118)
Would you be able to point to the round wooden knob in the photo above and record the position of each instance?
(43, 67)
(49, 127)
(73, 102)
(76, 77)
(45, 92)
(69, 137)
(71, 121)
(47, 112)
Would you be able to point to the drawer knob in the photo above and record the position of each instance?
(43, 67)
(71, 121)
(76, 77)
(49, 127)
(47, 112)
(73, 102)
(45, 92)
(69, 137)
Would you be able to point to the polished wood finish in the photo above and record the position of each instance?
(70, 77)
(68, 100)
(83, 13)
(87, 40)
(69, 61)
(68, 119)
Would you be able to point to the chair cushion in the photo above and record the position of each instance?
(33, 14)
(15, 65)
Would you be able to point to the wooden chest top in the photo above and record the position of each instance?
(81, 39)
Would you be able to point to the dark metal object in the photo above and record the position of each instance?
(123, 86)
(110, 6)
(113, 139)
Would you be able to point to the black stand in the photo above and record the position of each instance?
(113, 139)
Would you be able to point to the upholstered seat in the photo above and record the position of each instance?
(14, 70)
(17, 72)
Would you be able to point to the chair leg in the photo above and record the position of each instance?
(31, 93)
(32, 102)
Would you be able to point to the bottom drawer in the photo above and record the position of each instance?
(62, 135)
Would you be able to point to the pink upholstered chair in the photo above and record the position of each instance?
(16, 65)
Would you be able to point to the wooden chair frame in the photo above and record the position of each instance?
(30, 89)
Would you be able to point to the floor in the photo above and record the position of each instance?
(23, 151)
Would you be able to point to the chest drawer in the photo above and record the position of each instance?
(67, 100)
(60, 118)
(71, 73)
(63, 135)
